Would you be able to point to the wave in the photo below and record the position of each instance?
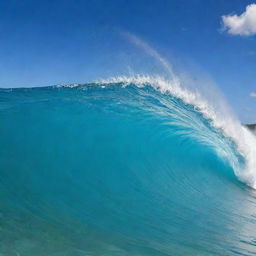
(124, 166)
(221, 119)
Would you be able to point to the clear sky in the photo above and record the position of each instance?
(59, 41)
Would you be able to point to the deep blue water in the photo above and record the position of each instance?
(113, 170)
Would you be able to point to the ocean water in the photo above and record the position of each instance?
(128, 166)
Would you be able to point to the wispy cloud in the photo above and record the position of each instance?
(244, 24)
(253, 94)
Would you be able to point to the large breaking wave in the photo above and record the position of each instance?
(125, 166)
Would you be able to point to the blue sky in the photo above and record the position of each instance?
(52, 42)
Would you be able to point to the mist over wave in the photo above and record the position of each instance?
(125, 166)
(204, 97)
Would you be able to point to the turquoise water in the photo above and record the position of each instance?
(109, 169)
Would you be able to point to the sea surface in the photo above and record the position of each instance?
(129, 166)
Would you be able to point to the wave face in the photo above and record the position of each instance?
(122, 167)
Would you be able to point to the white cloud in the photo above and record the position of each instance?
(253, 94)
(244, 24)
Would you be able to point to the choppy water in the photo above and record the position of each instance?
(123, 167)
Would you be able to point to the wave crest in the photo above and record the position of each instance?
(220, 118)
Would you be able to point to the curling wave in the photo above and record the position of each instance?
(219, 118)
(125, 166)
